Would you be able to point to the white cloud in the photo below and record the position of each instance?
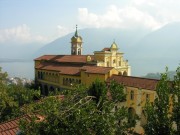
(150, 14)
(127, 17)
(62, 31)
(164, 11)
(20, 34)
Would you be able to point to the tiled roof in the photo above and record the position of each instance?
(137, 82)
(66, 58)
(73, 70)
(68, 70)
(106, 49)
(11, 127)
(96, 69)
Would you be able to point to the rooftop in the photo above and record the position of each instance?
(68, 70)
(11, 127)
(73, 70)
(96, 69)
(66, 58)
(137, 82)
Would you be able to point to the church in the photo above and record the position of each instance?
(64, 71)
(59, 72)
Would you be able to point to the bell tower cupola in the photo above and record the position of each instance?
(76, 44)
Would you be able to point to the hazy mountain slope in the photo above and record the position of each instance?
(157, 50)
(170, 75)
(94, 40)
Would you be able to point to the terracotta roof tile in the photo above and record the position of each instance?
(11, 127)
(72, 70)
(66, 58)
(69, 70)
(137, 82)
(106, 49)
(96, 69)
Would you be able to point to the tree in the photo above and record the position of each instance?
(13, 97)
(176, 101)
(81, 111)
(159, 115)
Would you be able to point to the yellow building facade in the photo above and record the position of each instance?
(110, 57)
(65, 71)
(139, 91)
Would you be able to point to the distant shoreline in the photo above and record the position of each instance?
(2, 60)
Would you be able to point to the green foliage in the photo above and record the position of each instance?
(81, 111)
(13, 97)
(159, 115)
(115, 89)
(176, 101)
(3, 76)
(98, 90)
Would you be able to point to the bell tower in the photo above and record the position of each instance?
(76, 44)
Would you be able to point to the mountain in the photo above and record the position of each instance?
(95, 40)
(157, 50)
(170, 75)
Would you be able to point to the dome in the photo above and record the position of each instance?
(114, 46)
(76, 37)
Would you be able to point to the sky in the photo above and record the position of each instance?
(42, 21)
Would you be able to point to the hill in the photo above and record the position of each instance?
(157, 50)
(94, 40)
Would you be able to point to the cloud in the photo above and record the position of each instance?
(20, 34)
(151, 14)
(62, 31)
(164, 11)
(127, 17)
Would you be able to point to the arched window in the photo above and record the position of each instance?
(119, 63)
(108, 64)
(114, 61)
(125, 73)
(79, 51)
(131, 115)
(119, 73)
(64, 81)
(132, 95)
(79, 81)
(39, 75)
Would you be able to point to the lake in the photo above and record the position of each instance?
(19, 69)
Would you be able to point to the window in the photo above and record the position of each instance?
(147, 97)
(39, 75)
(79, 52)
(114, 61)
(131, 115)
(108, 64)
(64, 81)
(119, 63)
(132, 95)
